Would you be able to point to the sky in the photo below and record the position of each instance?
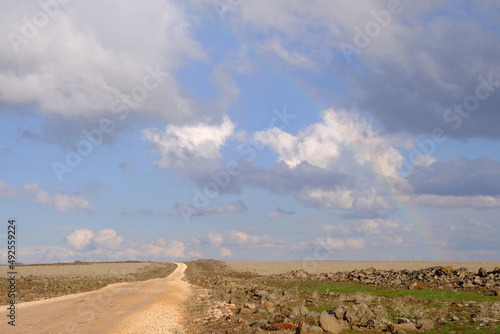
(254, 130)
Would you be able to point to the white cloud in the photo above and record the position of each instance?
(316, 144)
(293, 58)
(108, 239)
(338, 228)
(328, 243)
(343, 141)
(224, 252)
(191, 210)
(6, 190)
(187, 147)
(79, 61)
(424, 160)
(80, 239)
(365, 227)
(368, 227)
(175, 249)
(63, 203)
(478, 223)
(345, 199)
(477, 202)
(107, 245)
(273, 215)
(340, 199)
(241, 239)
(389, 241)
(215, 239)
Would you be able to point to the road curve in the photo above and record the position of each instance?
(151, 306)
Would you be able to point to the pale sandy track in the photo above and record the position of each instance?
(151, 306)
(317, 267)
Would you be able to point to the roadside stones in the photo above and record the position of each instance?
(259, 323)
(405, 327)
(329, 323)
(424, 324)
(250, 306)
(339, 311)
(298, 311)
(358, 314)
(260, 307)
(434, 277)
(307, 329)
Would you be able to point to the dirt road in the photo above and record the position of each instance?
(152, 306)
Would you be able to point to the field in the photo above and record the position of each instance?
(260, 297)
(317, 267)
(449, 297)
(37, 282)
(104, 269)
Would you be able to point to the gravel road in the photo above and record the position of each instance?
(317, 267)
(151, 306)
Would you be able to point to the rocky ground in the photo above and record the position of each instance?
(431, 300)
(318, 267)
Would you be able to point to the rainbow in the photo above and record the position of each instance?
(425, 242)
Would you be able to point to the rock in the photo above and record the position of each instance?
(425, 324)
(339, 311)
(299, 310)
(286, 311)
(259, 323)
(406, 327)
(482, 272)
(443, 271)
(276, 318)
(378, 323)
(250, 306)
(243, 310)
(273, 297)
(312, 314)
(329, 323)
(307, 329)
(358, 314)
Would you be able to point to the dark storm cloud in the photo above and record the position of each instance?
(279, 178)
(458, 177)
(443, 63)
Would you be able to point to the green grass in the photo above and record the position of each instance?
(428, 300)
(382, 291)
(157, 270)
(452, 328)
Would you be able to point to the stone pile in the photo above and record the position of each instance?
(357, 317)
(241, 303)
(445, 278)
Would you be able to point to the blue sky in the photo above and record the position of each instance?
(250, 130)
